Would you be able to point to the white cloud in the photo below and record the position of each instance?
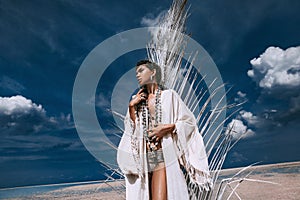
(18, 104)
(238, 129)
(241, 94)
(277, 67)
(249, 117)
(149, 20)
(241, 97)
(19, 115)
(277, 72)
(25, 127)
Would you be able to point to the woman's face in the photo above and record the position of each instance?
(143, 75)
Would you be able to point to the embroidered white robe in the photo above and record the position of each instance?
(187, 141)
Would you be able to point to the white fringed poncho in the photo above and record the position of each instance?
(185, 145)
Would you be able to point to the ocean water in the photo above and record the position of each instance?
(29, 191)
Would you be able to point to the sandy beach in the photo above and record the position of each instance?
(276, 181)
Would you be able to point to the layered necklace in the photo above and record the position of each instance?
(147, 121)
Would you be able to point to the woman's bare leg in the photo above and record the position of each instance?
(159, 183)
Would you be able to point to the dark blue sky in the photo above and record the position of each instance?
(43, 44)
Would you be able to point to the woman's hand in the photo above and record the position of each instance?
(160, 131)
(141, 95)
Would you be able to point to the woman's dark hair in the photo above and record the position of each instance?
(151, 66)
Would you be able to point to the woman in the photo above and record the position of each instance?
(160, 136)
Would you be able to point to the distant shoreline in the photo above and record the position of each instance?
(270, 181)
(293, 163)
(283, 164)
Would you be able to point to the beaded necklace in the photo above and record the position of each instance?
(147, 122)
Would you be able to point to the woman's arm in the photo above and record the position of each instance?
(132, 112)
(161, 130)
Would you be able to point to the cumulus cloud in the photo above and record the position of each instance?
(277, 72)
(18, 104)
(276, 68)
(19, 115)
(25, 127)
(249, 117)
(277, 107)
(238, 129)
